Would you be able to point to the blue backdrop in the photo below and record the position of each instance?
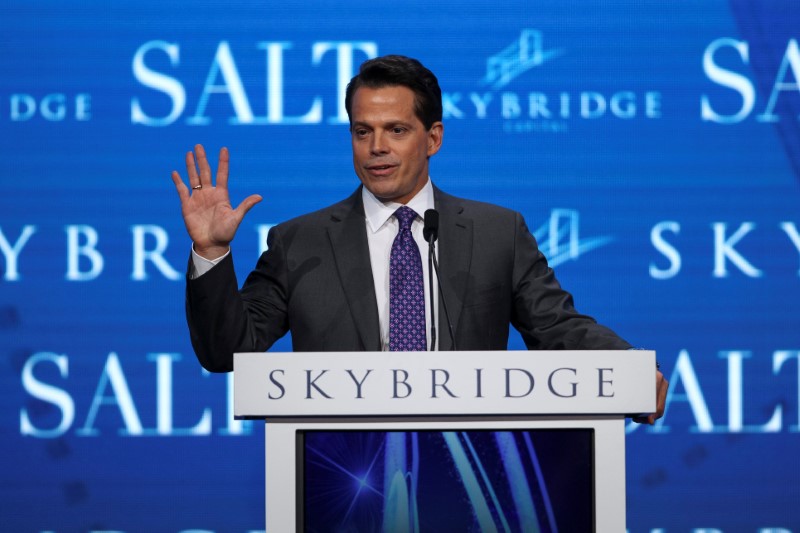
(653, 146)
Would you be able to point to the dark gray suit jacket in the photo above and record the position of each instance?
(316, 281)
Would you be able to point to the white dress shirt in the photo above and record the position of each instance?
(381, 227)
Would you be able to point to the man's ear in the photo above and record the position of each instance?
(435, 136)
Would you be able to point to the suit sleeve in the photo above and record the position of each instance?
(224, 320)
(543, 312)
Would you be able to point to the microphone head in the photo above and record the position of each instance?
(430, 231)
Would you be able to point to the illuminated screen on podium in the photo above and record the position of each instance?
(475, 480)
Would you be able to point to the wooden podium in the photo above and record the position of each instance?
(443, 392)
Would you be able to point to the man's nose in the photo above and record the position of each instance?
(379, 144)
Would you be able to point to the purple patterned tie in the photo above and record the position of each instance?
(406, 289)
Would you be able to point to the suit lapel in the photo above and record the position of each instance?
(348, 237)
(455, 256)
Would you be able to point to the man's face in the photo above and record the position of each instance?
(391, 146)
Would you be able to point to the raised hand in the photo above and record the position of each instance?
(207, 212)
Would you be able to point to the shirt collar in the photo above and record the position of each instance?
(378, 212)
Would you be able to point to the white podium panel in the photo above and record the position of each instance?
(443, 383)
(457, 397)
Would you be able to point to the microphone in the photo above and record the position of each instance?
(430, 232)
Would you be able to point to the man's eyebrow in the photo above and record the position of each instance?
(385, 123)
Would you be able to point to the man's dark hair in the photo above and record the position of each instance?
(394, 70)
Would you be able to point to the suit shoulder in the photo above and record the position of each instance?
(344, 208)
(478, 209)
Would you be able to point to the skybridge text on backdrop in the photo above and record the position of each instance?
(85, 260)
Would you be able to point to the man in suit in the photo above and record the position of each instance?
(326, 276)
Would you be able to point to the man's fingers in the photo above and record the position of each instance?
(248, 203)
(222, 168)
(661, 399)
(646, 419)
(183, 191)
(662, 386)
(202, 166)
(191, 169)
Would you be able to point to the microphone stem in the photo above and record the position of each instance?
(444, 303)
(431, 259)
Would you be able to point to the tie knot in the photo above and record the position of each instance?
(405, 216)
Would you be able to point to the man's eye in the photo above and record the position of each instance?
(398, 130)
(361, 133)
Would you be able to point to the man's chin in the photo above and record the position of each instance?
(389, 191)
(382, 191)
